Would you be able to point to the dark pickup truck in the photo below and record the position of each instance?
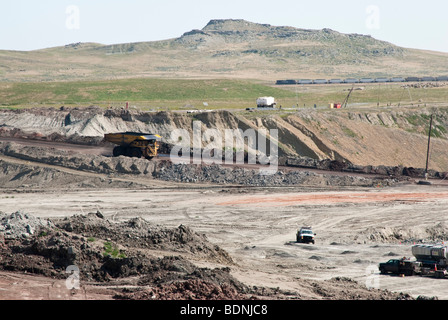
(401, 266)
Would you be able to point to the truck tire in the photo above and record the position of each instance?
(409, 273)
(119, 151)
(439, 274)
(135, 152)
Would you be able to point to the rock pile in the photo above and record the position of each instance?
(19, 225)
(190, 173)
(253, 177)
(103, 251)
(139, 233)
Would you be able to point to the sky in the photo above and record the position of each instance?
(29, 25)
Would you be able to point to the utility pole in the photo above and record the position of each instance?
(429, 145)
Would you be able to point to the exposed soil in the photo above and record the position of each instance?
(138, 229)
(133, 254)
(80, 241)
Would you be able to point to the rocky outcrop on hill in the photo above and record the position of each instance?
(337, 45)
(230, 48)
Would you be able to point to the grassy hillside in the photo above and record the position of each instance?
(235, 49)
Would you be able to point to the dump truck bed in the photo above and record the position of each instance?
(127, 138)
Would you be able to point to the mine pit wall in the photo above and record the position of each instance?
(392, 138)
(164, 170)
(52, 172)
(88, 163)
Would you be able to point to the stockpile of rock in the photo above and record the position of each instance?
(400, 172)
(77, 242)
(188, 173)
(191, 173)
(20, 225)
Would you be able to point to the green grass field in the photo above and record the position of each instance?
(173, 94)
(146, 93)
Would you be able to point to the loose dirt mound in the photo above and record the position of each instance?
(77, 242)
(192, 289)
(138, 233)
(21, 225)
(121, 255)
(434, 234)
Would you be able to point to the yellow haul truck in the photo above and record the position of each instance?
(134, 144)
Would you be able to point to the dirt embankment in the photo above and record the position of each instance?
(41, 167)
(338, 142)
(106, 252)
(142, 260)
(390, 137)
(385, 137)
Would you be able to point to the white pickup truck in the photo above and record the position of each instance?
(305, 235)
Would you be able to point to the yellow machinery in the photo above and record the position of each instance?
(134, 144)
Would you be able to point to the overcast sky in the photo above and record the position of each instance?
(30, 25)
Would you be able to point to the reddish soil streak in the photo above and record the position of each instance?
(328, 198)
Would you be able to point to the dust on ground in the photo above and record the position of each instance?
(201, 243)
(135, 259)
(136, 229)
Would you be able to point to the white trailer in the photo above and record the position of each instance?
(266, 102)
(430, 252)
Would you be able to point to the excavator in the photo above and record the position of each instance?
(134, 144)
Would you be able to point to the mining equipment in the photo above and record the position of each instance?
(134, 144)
(401, 266)
(429, 260)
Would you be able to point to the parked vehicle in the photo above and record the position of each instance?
(266, 102)
(430, 260)
(305, 235)
(401, 266)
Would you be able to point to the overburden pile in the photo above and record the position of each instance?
(15, 175)
(142, 261)
(104, 251)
